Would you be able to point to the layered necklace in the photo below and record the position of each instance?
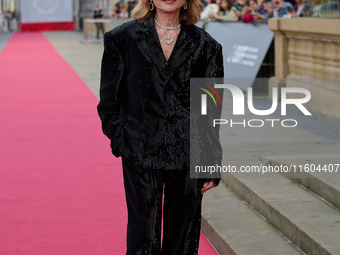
(168, 38)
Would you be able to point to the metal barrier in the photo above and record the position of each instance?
(245, 47)
(117, 22)
(89, 25)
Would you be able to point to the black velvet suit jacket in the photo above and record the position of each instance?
(145, 101)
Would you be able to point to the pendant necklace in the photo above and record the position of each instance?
(167, 39)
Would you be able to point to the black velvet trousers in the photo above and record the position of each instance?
(181, 212)
(99, 27)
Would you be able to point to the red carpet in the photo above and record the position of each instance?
(61, 189)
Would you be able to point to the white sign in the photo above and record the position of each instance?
(40, 11)
(242, 54)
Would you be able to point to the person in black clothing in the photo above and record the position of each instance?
(145, 108)
(98, 14)
(8, 17)
(116, 10)
(131, 5)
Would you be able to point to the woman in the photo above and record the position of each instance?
(227, 11)
(262, 9)
(251, 13)
(239, 5)
(116, 10)
(298, 10)
(211, 9)
(145, 111)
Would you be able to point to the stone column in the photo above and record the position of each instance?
(309, 48)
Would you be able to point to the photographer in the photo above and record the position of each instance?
(98, 14)
(298, 10)
(250, 13)
(280, 9)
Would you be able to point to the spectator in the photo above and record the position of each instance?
(227, 11)
(247, 13)
(279, 9)
(98, 15)
(262, 10)
(298, 9)
(250, 13)
(116, 10)
(204, 2)
(123, 12)
(14, 21)
(211, 9)
(262, 7)
(239, 4)
(8, 18)
(131, 5)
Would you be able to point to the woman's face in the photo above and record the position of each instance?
(252, 5)
(168, 6)
(224, 4)
(241, 2)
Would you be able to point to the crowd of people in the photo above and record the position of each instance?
(233, 10)
(251, 10)
(120, 10)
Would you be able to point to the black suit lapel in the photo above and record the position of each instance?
(148, 42)
(187, 42)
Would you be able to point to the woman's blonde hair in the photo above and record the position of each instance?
(192, 14)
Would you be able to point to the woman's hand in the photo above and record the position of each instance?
(216, 17)
(245, 10)
(207, 185)
(257, 16)
(270, 9)
(293, 13)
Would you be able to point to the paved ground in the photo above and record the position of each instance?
(316, 136)
(3, 40)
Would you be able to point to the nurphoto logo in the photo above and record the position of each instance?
(239, 105)
(204, 98)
